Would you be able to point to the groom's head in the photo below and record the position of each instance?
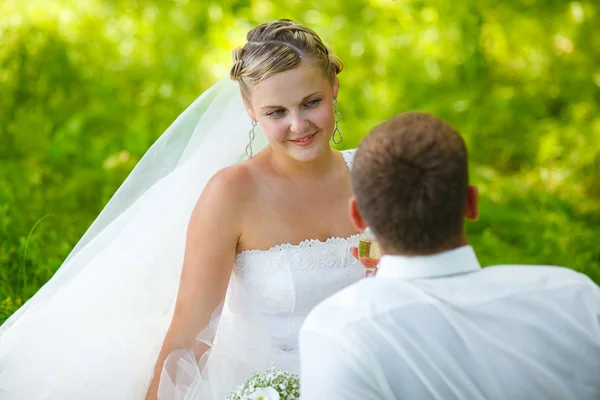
(410, 181)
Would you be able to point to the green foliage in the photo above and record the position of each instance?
(8, 306)
(88, 85)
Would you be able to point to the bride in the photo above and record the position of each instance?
(202, 267)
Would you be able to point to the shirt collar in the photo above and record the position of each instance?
(457, 261)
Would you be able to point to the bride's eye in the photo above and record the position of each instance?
(276, 113)
(313, 103)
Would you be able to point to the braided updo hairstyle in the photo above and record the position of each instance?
(279, 46)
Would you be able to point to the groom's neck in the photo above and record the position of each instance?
(454, 244)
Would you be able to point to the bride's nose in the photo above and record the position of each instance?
(299, 124)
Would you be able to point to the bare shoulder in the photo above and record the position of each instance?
(225, 197)
(233, 183)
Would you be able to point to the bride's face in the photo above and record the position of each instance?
(295, 110)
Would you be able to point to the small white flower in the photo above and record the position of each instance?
(267, 393)
(267, 384)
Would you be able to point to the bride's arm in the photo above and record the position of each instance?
(212, 238)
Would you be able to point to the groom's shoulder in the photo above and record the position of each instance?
(370, 297)
(535, 281)
(540, 275)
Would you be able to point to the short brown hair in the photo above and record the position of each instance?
(410, 179)
(278, 46)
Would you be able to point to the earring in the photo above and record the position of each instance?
(337, 120)
(251, 135)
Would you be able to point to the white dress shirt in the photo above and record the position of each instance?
(440, 327)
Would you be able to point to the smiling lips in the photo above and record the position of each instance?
(304, 141)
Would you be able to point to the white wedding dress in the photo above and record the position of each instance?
(288, 281)
(95, 329)
(271, 293)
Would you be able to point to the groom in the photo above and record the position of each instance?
(432, 324)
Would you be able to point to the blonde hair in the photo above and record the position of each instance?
(279, 46)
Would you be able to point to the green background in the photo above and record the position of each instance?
(86, 86)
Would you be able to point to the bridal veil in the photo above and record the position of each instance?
(95, 329)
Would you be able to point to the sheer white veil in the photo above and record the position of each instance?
(113, 297)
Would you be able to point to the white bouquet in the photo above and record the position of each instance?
(269, 384)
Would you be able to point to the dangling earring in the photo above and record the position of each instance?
(251, 135)
(337, 120)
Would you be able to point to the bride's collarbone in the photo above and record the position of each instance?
(305, 203)
(290, 218)
(285, 211)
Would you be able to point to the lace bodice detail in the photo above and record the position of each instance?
(349, 157)
(310, 253)
(288, 280)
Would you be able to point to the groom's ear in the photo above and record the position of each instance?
(357, 219)
(472, 205)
